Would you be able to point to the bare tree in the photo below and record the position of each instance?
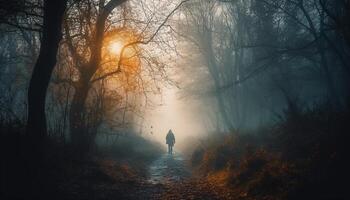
(51, 36)
(89, 34)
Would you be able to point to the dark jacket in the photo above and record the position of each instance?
(170, 138)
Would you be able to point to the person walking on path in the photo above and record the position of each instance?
(170, 141)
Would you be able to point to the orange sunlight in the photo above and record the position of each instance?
(114, 42)
(116, 47)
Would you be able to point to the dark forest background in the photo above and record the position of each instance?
(272, 75)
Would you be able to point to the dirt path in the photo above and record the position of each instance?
(168, 169)
(170, 178)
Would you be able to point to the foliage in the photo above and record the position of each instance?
(301, 157)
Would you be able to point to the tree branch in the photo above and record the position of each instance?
(140, 42)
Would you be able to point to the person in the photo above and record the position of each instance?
(170, 141)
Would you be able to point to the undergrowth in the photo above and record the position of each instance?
(304, 156)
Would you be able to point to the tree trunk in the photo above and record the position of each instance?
(78, 129)
(80, 136)
(51, 36)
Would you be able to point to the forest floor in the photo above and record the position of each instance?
(169, 177)
(172, 175)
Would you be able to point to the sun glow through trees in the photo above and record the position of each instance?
(116, 47)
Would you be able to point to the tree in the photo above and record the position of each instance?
(87, 69)
(51, 36)
(88, 44)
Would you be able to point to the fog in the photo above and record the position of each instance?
(183, 116)
(210, 67)
(256, 93)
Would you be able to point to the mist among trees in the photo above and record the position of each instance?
(256, 93)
